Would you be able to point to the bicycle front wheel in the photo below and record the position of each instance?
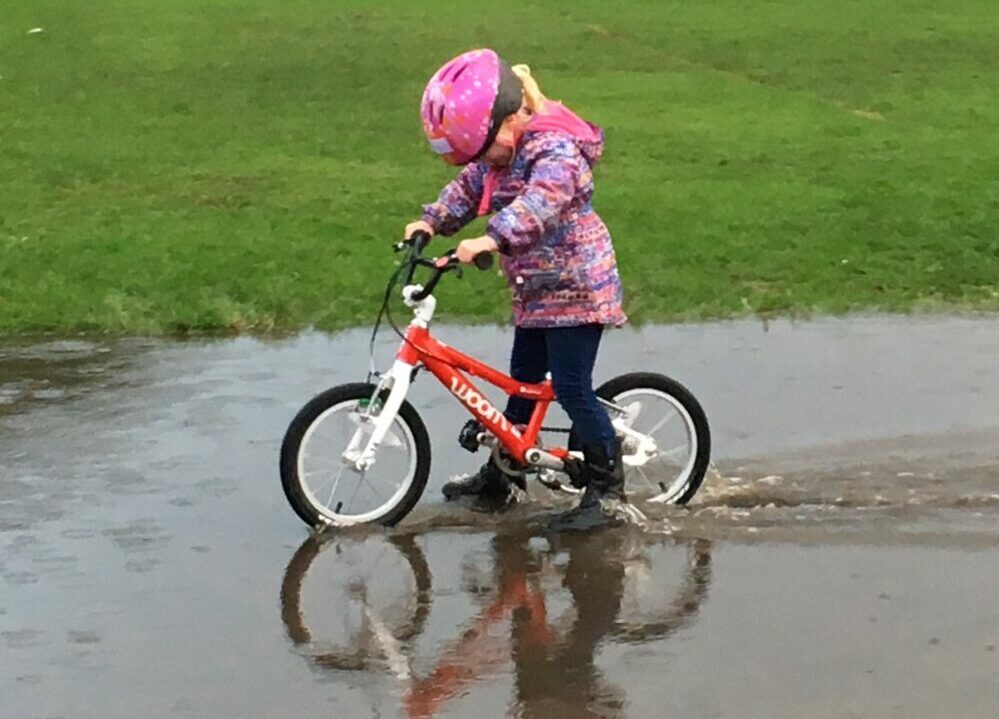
(325, 488)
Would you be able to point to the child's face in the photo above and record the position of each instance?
(504, 147)
(499, 154)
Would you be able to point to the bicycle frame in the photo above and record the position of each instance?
(448, 364)
(420, 348)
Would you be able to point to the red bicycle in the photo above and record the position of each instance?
(359, 453)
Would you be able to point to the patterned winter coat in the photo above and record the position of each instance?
(556, 251)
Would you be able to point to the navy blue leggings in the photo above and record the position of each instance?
(569, 354)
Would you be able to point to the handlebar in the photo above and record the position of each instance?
(440, 265)
(483, 260)
(418, 240)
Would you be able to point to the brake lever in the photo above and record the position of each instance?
(451, 263)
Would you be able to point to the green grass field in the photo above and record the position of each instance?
(175, 165)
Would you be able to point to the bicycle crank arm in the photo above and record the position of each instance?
(534, 456)
(540, 458)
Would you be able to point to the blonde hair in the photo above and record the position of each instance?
(533, 99)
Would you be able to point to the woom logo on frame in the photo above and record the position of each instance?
(476, 402)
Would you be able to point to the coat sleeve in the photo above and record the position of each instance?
(458, 203)
(551, 187)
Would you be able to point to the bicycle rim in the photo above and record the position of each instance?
(338, 491)
(662, 468)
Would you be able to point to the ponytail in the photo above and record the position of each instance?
(533, 98)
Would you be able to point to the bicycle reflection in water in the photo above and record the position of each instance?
(543, 611)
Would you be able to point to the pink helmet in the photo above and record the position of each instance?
(465, 103)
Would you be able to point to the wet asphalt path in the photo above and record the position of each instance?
(843, 561)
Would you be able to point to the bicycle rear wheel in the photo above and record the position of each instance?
(324, 488)
(666, 442)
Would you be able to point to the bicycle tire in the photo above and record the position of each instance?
(666, 385)
(291, 482)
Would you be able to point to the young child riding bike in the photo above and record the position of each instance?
(529, 160)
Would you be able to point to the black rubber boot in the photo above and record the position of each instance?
(604, 475)
(604, 502)
(488, 489)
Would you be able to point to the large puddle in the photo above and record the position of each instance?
(841, 560)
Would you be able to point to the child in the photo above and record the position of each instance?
(528, 160)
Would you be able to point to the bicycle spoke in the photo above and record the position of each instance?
(392, 440)
(672, 454)
(325, 464)
(336, 482)
(661, 423)
(648, 481)
(348, 430)
(312, 473)
(360, 481)
(374, 491)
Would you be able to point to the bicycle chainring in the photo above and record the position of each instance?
(506, 465)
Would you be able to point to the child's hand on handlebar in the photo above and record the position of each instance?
(418, 226)
(468, 249)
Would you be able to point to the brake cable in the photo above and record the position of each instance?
(386, 311)
(383, 311)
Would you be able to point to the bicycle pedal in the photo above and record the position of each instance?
(468, 437)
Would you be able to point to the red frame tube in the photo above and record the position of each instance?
(447, 365)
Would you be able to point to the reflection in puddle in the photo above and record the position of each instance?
(541, 608)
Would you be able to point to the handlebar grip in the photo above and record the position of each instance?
(420, 238)
(483, 260)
